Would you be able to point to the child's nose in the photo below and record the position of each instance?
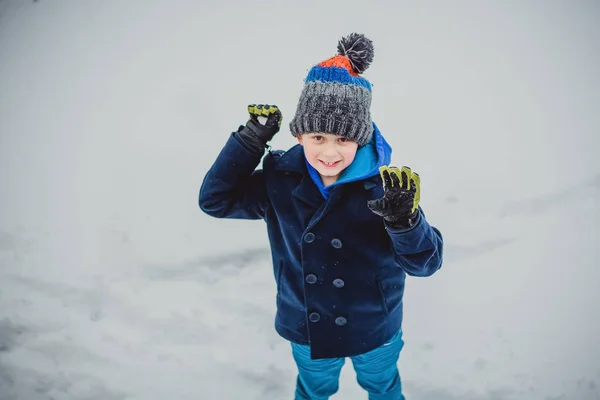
(330, 150)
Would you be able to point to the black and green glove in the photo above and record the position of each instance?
(256, 134)
(400, 202)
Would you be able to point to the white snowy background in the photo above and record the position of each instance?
(115, 286)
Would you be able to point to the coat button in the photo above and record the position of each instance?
(309, 237)
(338, 283)
(337, 243)
(311, 278)
(314, 317)
(340, 321)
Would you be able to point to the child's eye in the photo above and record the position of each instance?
(343, 140)
(318, 138)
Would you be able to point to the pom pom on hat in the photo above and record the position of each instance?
(358, 49)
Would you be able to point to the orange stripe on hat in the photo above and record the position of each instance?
(340, 62)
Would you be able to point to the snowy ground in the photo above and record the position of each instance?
(114, 285)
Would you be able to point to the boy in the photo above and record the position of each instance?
(345, 229)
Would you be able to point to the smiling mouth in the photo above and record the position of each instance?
(330, 165)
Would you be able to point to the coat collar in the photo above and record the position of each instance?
(292, 161)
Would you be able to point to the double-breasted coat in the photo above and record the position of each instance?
(340, 271)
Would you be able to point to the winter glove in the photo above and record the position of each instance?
(402, 192)
(256, 134)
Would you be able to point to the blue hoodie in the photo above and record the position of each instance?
(366, 163)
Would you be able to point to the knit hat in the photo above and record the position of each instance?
(335, 98)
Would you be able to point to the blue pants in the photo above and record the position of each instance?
(376, 372)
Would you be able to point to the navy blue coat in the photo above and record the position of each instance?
(340, 271)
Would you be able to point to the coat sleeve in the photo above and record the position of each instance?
(232, 187)
(419, 250)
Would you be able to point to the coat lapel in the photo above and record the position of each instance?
(292, 161)
(308, 192)
(369, 185)
(334, 198)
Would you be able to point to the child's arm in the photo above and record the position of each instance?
(419, 249)
(233, 188)
(418, 245)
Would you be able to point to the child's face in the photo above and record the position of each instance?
(328, 154)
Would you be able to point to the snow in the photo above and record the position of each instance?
(114, 285)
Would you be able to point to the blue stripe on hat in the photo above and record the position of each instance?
(336, 74)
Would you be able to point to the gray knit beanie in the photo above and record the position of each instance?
(335, 98)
